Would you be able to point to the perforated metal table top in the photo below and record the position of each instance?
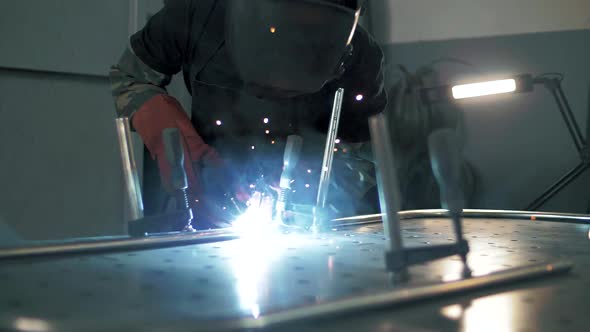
(198, 287)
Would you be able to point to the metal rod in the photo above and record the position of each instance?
(405, 296)
(116, 244)
(555, 188)
(130, 175)
(326, 170)
(469, 213)
(387, 183)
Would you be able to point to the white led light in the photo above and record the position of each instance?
(359, 97)
(218, 122)
(483, 89)
(265, 120)
(31, 324)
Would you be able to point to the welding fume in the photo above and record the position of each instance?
(263, 75)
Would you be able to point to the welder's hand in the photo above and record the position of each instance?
(159, 113)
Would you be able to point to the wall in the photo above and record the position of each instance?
(59, 156)
(403, 21)
(60, 167)
(518, 143)
(61, 175)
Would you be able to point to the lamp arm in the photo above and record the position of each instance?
(553, 85)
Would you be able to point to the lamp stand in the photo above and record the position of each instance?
(581, 144)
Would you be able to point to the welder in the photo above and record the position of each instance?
(257, 71)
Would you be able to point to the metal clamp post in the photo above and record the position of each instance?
(132, 187)
(388, 187)
(448, 173)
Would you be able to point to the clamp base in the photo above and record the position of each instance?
(177, 221)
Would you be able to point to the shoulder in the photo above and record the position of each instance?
(366, 50)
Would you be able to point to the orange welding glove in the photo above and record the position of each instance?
(159, 113)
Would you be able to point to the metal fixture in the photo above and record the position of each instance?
(326, 170)
(181, 218)
(290, 159)
(446, 162)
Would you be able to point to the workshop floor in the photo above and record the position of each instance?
(195, 287)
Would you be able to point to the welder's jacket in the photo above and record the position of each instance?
(249, 132)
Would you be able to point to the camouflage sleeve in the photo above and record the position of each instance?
(133, 83)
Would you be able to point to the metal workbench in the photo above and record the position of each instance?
(282, 281)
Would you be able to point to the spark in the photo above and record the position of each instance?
(256, 311)
(453, 312)
(257, 220)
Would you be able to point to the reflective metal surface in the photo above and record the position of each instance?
(208, 286)
(404, 295)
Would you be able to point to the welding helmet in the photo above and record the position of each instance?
(286, 48)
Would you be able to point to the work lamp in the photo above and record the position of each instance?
(521, 84)
(446, 93)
